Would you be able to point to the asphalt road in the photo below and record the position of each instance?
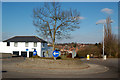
(111, 63)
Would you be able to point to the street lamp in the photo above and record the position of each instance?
(103, 22)
(103, 36)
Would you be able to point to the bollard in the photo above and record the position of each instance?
(54, 58)
(88, 57)
(104, 58)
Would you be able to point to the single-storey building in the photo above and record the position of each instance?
(25, 46)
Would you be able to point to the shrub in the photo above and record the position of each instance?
(91, 49)
(36, 56)
(58, 57)
(69, 55)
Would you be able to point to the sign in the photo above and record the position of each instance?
(55, 53)
(34, 53)
(26, 49)
(88, 57)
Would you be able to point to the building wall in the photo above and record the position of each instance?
(4, 48)
(46, 49)
(50, 51)
(21, 47)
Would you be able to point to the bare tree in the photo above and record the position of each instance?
(54, 23)
(111, 43)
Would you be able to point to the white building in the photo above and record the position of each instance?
(24, 46)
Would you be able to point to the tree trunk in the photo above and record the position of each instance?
(54, 35)
(54, 44)
(54, 49)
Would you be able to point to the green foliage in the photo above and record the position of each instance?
(74, 45)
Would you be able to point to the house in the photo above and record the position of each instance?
(25, 46)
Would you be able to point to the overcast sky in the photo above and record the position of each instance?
(17, 20)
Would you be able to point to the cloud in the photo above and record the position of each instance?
(78, 18)
(102, 21)
(81, 17)
(107, 10)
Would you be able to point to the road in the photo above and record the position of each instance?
(111, 63)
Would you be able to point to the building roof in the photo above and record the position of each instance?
(25, 39)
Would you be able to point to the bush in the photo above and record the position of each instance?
(58, 57)
(36, 56)
(69, 55)
(91, 49)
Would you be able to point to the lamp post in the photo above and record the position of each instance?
(104, 22)
(103, 37)
(103, 40)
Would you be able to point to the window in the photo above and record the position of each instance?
(8, 43)
(35, 44)
(15, 44)
(26, 44)
(43, 54)
(43, 44)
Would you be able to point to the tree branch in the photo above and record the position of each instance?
(48, 25)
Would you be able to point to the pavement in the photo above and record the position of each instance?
(98, 68)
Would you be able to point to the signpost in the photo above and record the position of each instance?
(55, 54)
(27, 52)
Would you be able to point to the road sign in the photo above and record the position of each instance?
(55, 53)
(34, 53)
(26, 49)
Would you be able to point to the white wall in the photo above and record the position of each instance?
(4, 48)
(21, 47)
